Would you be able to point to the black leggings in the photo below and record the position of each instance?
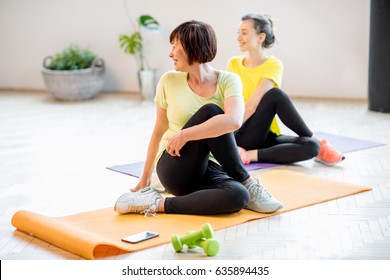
(200, 185)
(255, 133)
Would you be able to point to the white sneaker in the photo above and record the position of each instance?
(260, 200)
(144, 201)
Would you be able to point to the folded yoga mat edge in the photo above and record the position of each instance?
(58, 233)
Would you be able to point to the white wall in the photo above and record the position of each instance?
(323, 44)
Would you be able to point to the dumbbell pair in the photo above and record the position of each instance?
(203, 238)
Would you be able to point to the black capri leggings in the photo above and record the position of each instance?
(201, 186)
(255, 133)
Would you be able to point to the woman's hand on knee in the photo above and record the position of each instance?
(175, 144)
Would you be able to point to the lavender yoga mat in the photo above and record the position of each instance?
(347, 144)
(135, 169)
(341, 143)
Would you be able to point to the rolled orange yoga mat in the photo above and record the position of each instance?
(90, 234)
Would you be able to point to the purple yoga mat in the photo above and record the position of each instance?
(347, 144)
(341, 143)
(258, 165)
(135, 169)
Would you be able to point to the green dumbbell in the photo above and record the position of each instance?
(191, 245)
(210, 246)
(190, 238)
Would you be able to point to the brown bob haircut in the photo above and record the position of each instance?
(198, 40)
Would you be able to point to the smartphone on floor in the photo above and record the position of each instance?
(141, 236)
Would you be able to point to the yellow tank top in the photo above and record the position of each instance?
(271, 69)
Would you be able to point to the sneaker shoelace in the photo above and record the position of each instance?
(148, 211)
(137, 209)
(149, 208)
(145, 209)
(256, 190)
(152, 206)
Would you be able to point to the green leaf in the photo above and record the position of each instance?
(72, 58)
(148, 22)
(131, 44)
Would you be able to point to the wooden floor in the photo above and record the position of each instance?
(53, 157)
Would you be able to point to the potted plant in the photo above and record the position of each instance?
(133, 44)
(73, 74)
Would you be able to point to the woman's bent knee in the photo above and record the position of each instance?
(238, 195)
(211, 109)
(275, 93)
(312, 147)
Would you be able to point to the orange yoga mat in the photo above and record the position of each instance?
(87, 234)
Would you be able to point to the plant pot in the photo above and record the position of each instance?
(74, 84)
(147, 83)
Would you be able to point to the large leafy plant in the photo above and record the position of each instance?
(133, 43)
(72, 58)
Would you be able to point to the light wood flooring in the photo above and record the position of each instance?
(53, 157)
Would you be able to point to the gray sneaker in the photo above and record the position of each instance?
(143, 202)
(260, 200)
